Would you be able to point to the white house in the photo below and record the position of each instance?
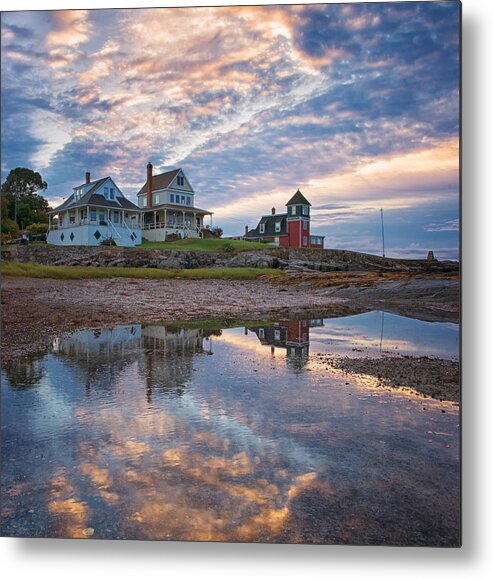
(168, 203)
(96, 210)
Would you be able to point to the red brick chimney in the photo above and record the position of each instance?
(88, 177)
(273, 211)
(246, 230)
(149, 184)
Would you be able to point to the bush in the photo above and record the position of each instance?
(5, 238)
(228, 247)
(217, 231)
(108, 241)
(37, 228)
(10, 230)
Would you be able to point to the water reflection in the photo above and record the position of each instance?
(155, 432)
(291, 335)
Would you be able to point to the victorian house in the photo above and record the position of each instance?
(290, 229)
(168, 203)
(96, 211)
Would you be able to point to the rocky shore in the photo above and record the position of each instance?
(431, 377)
(291, 260)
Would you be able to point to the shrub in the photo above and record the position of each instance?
(217, 231)
(37, 228)
(108, 241)
(228, 247)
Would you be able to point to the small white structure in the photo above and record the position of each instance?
(96, 211)
(168, 203)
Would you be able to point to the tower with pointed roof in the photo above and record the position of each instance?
(298, 220)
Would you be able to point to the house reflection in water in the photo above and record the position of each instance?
(168, 361)
(293, 336)
(163, 355)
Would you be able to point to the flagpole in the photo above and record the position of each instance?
(383, 235)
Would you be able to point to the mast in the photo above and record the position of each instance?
(383, 235)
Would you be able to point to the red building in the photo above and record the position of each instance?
(290, 229)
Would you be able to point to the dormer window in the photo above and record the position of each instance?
(278, 226)
(112, 193)
(262, 228)
(180, 180)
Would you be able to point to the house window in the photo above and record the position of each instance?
(179, 180)
(305, 225)
(262, 228)
(277, 334)
(278, 226)
(143, 201)
(157, 199)
(183, 199)
(112, 193)
(305, 240)
(93, 214)
(305, 209)
(106, 192)
(171, 198)
(189, 201)
(261, 333)
(71, 217)
(116, 216)
(292, 209)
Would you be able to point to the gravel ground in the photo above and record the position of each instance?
(432, 377)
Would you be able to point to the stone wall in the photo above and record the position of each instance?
(290, 259)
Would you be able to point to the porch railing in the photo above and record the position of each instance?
(163, 225)
(127, 223)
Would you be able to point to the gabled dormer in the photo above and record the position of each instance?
(298, 206)
(170, 188)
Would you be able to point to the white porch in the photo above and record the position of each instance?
(91, 226)
(160, 223)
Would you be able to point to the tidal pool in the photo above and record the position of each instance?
(169, 433)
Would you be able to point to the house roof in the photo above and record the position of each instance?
(269, 221)
(91, 197)
(298, 199)
(161, 181)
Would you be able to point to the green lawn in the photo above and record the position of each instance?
(212, 244)
(75, 272)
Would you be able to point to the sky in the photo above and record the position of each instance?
(357, 105)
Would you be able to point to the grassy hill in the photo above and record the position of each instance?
(213, 244)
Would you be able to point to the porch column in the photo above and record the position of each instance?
(165, 223)
(49, 221)
(183, 224)
(76, 216)
(155, 219)
(211, 219)
(195, 222)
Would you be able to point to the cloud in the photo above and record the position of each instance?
(71, 28)
(357, 105)
(450, 225)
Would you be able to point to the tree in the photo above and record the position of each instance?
(24, 205)
(10, 229)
